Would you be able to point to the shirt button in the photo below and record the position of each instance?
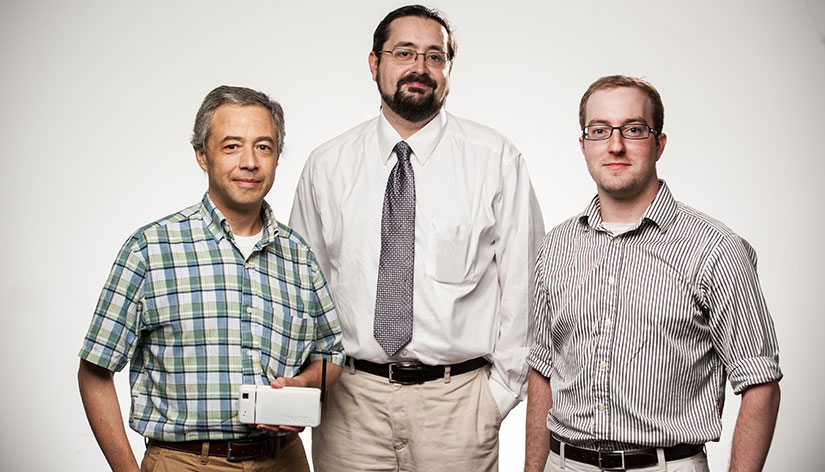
(249, 353)
(602, 365)
(404, 352)
(617, 239)
(607, 322)
(611, 280)
(602, 407)
(249, 310)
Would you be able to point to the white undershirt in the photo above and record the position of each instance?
(617, 229)
(247, 243)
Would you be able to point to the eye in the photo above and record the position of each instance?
(231, 147)
(435, 58)
(264, 147)
(403, 53)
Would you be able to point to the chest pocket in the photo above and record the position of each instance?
(285, 340)
(455, 251)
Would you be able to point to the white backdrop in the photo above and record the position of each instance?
(98, 100)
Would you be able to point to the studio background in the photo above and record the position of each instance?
(99, 97)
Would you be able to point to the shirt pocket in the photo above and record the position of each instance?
(454, 252)
(285, 341)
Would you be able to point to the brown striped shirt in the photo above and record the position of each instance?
(637, 333)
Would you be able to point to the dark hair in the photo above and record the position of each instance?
(382, 32)
(613, 81)
(235, 96)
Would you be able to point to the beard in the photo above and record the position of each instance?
(413, 108)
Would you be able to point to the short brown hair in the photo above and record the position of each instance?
(613, 81)
(382, 32)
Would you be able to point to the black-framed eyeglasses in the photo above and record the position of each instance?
(409, 56)
(629, 131)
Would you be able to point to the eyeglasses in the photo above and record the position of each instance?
(408, 56)
(631, 131)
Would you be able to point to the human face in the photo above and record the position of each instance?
(623, 169)
(240, 158)
(414, 92)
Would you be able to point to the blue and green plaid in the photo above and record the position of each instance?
(196, 320)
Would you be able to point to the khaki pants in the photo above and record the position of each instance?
(697, 463)
(371, 424)
(290, 458)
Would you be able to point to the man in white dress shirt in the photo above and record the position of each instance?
(426, 226)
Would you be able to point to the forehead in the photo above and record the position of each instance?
(240, 120)
(417, 31)
(617, 105)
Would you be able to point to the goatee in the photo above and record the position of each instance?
(413, 107)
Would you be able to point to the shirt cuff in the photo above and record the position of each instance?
(336, 358)
(505, 400)
(753, 371)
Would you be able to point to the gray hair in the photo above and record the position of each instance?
(236, 96)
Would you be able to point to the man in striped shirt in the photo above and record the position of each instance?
(644, 306)
(205, 300)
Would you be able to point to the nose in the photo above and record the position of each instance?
(419, 65)
(615, 144)
(247, 159)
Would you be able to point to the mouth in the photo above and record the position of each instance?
(417, 83)
(249, 183)
(616, 165)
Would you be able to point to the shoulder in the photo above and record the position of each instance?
(694, 221)
(163, 227)
(476, 133)
(293, 246)
(345, 141)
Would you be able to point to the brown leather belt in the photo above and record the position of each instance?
(623, 460)
(235, 450)
(414, 372)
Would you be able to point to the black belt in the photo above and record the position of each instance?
(235, 450)
(415, 373)
(623, 460)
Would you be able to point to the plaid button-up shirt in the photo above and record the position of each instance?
(196, 320)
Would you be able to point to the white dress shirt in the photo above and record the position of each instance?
(477, 230)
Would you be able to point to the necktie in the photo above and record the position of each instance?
(392, 326)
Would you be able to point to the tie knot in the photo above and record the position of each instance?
(402, 150)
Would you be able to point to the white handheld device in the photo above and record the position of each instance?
(288, 406)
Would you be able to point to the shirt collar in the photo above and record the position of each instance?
(662, 211)
(219, 227)
(422, 143)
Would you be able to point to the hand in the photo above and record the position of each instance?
(282, 382)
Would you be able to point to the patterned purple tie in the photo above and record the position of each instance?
(392, 327)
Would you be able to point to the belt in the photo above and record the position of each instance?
(415, 373)
(235, 450)
(623, 460)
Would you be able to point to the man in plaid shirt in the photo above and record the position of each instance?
(205, 300)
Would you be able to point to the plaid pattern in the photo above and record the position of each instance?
(196, 320)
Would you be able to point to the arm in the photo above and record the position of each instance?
(520, 228)
(537, 440)
(97, 390)
(754, 427)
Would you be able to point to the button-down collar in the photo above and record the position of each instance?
(661, 212)
(219, 228)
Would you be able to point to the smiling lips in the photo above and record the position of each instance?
(247, 182)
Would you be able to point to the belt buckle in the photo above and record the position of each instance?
(621, 453)
(402, 364)
(233, 458)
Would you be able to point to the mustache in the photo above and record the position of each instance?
(414, 77)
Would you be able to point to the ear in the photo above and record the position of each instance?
(373, 65)
(581, 143)
(200, 156)
(661, 139)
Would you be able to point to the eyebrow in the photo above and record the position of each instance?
(625, 122)
(238, 138)
(407, 44)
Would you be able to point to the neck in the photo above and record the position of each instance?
(403, 127)
(625, 210)
(243, 221)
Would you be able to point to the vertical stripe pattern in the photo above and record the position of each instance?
(636, 333)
